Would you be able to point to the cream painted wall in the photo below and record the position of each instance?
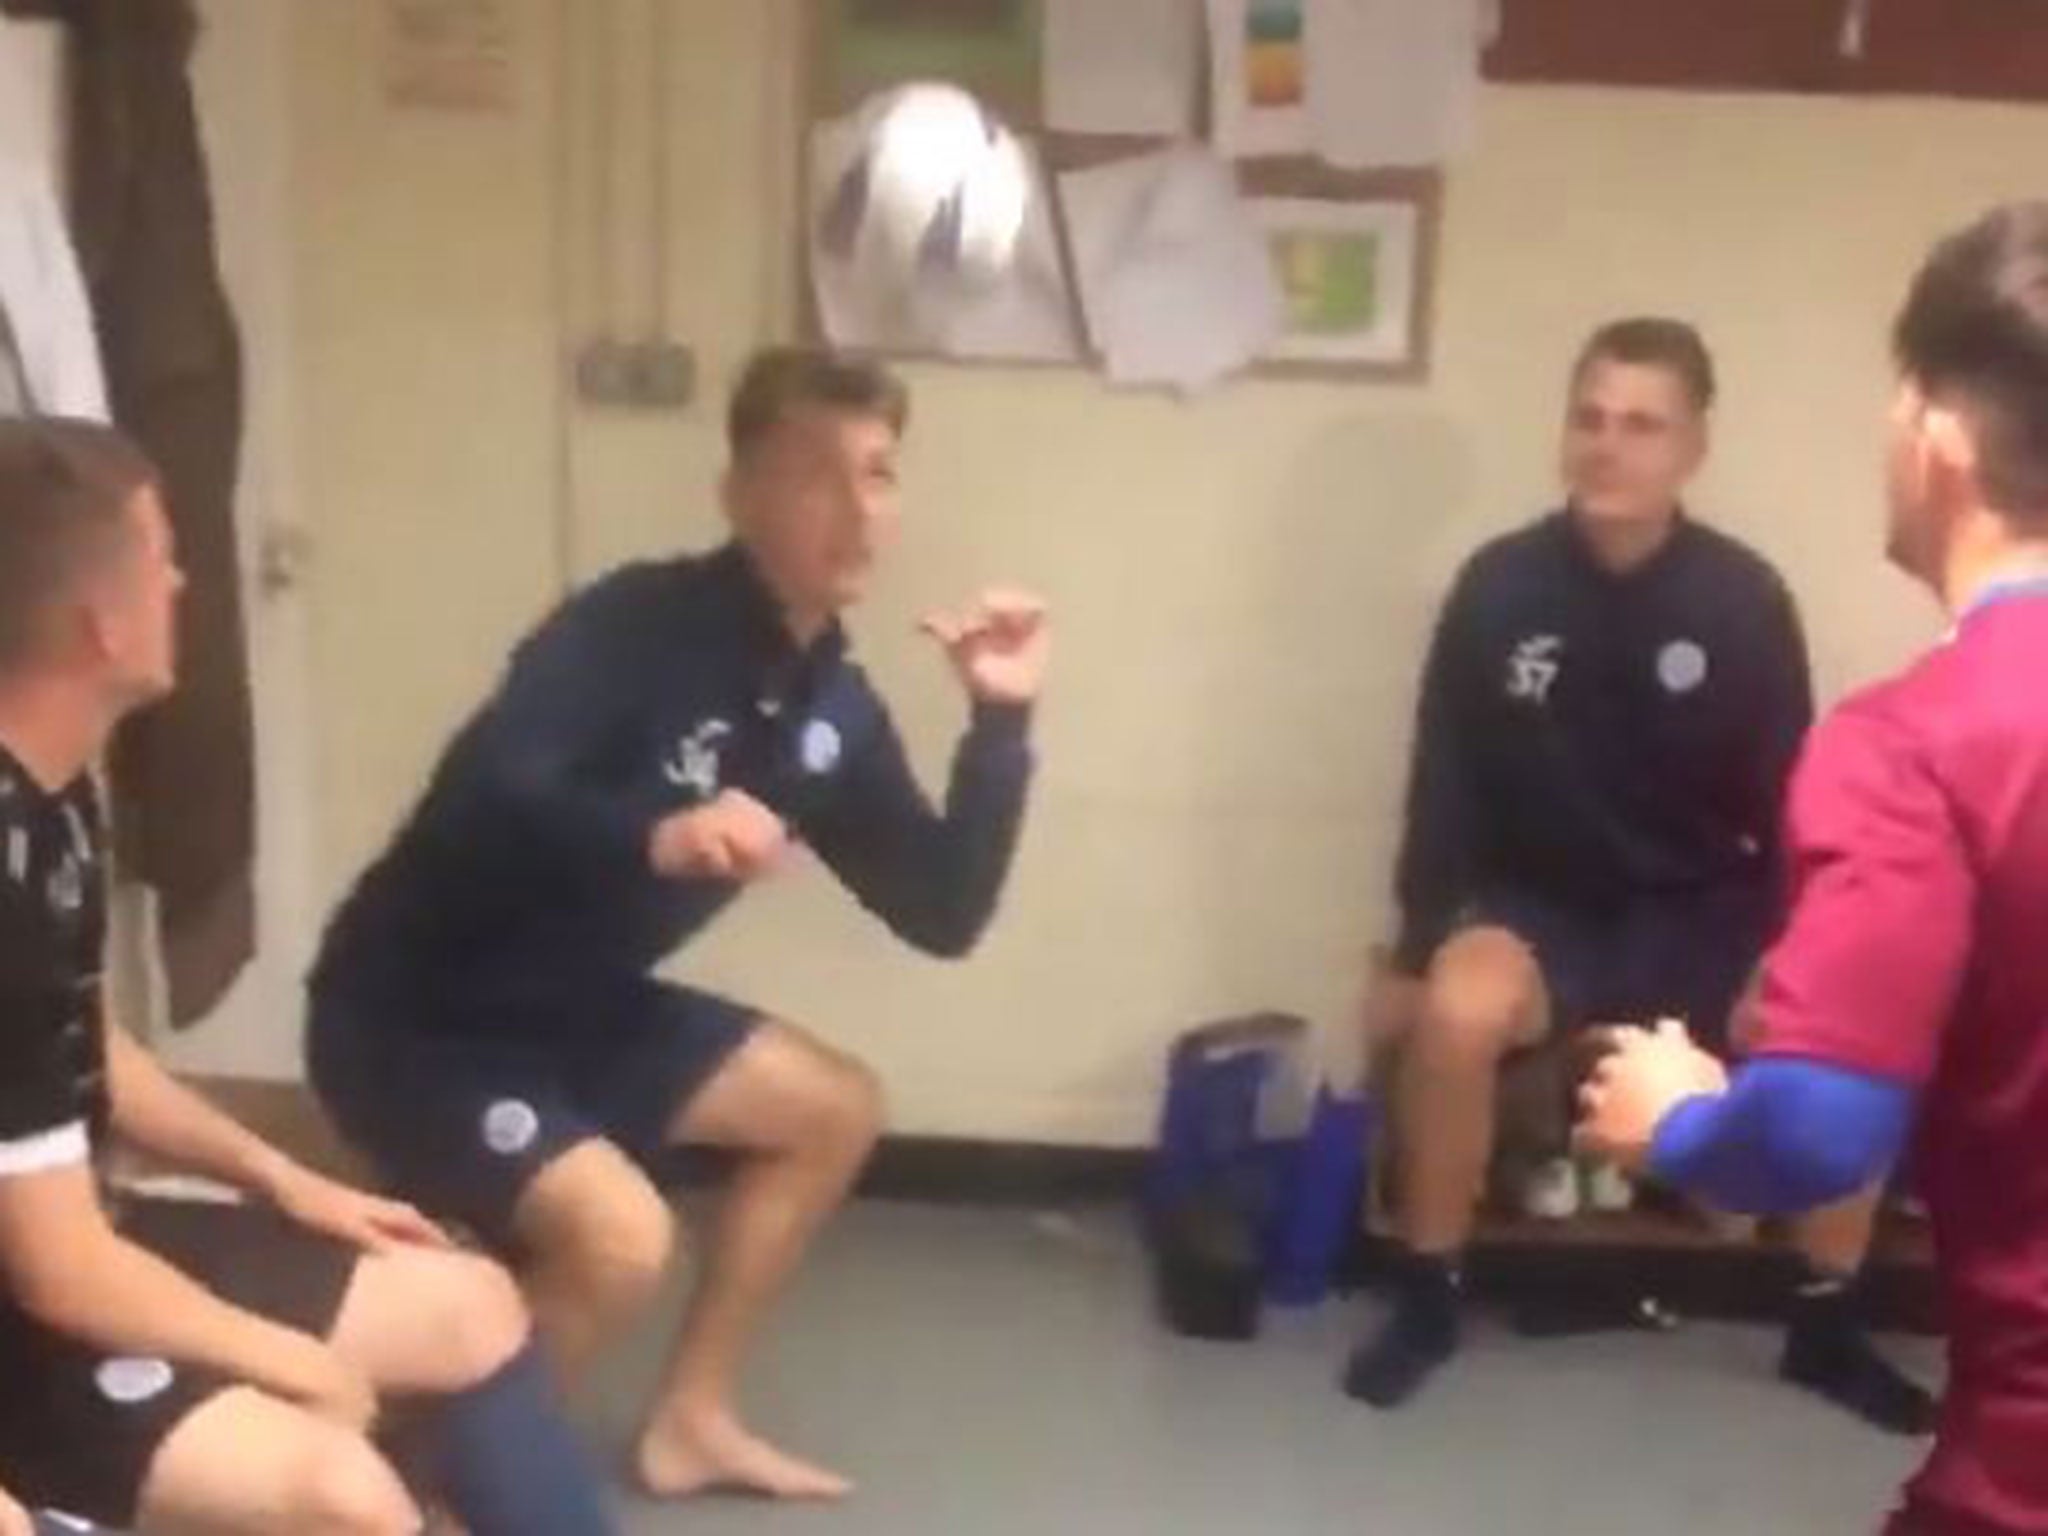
(1242, 585)
(423, 281)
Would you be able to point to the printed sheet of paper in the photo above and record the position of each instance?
(1393, 82)
(1258, 88)
(1122, 66)
(1177, 281)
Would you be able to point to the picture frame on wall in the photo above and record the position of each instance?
(1355, 255)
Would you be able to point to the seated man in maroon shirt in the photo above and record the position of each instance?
(1909, 991)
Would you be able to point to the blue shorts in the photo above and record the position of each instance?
(458, 1117)
(1683, 955)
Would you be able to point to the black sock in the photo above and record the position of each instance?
(507, 1462)
(1828, 1351)
(1419, 1334)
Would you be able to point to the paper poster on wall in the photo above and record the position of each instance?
(1175, 279)
(449, 55)
(1350, 273)
(1393, 82)
(1259, 71)
(1128, 67)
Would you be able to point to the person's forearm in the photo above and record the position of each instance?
(1788, 1136)
(935, 877)
(157, 1114)
(121, 1299)
(984, 813)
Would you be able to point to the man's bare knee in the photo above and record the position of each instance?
(827, 1106)
(851, 1109)
(1484, 997)
(246, 1461)
(345, 1489)
(608, 1239)
(617, 1257)
(789, 1095)
(481, 1319)
(430, 1320)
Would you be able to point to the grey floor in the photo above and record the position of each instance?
(997, 1374)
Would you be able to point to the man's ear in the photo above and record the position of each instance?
(1948, 447)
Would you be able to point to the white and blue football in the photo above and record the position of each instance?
(929, 206)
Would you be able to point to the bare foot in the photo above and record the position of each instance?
(682, 1458)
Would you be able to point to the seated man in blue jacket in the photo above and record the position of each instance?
(1612, 704)
(484, 1023)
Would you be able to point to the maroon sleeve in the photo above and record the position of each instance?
(1883, 898)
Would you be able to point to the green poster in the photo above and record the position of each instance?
(989, 47)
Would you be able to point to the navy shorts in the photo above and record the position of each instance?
(458, 1116)
(1686, 955)
(79, 1429)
